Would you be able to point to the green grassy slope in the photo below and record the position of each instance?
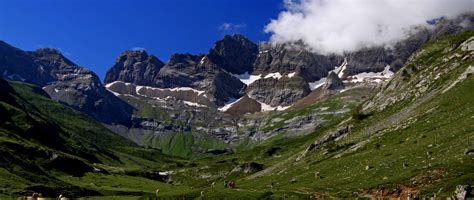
(47, 147)
(418, 143)
(176, 144)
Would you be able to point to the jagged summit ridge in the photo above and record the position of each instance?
(135, 67)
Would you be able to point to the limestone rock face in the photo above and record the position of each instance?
(134, 67)
(235, 54)
(197, 71)
(286, 58)
(278, 92)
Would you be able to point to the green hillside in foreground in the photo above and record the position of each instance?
(415, 136)
(45, 145)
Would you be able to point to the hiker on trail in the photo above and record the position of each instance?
(316, 175)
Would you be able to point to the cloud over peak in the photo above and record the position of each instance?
(338, 26)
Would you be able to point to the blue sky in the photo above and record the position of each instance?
(92, 33)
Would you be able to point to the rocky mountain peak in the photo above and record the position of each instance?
(138, 55)
(134, 67)
(53, 57)
(234, 53)
(48, 51)
(64, 82)
(183, 58)
(16, 63)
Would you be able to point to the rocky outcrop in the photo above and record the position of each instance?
(235, 54)
(278, 92)
(249, 168)
(453, 26)
(243, 106)
(182, 70)
(286, 58)
(366, 60)
(134, 67)
(185, 70)
(341, 132)
(463, 192)
(333, 82)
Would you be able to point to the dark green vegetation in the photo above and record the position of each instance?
(415, 136)
(48, 147)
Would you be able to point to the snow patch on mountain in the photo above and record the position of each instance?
(202, 60)
(340, 70)
(291, 75)
(193, 104)
(139, 87)
(229, 104)
(184, 89)
(265, 107)
(247, 78)
(275, 75)
(372, 76)
(317, 84)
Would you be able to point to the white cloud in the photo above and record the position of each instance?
(232, 27)
(138, 49)
(338, 26)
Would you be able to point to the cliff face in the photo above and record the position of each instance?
(134, 67)
(234, 53)
(275, 74)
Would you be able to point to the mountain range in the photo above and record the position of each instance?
(268, 115)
